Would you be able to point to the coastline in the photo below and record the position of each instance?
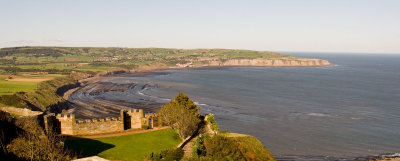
(158, 69)
(154, 71)
(281, 157)
(90, 105)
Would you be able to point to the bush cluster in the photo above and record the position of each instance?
(145, 127)
(212, 122)
(167, 155)
(198, 148)
(224, 147)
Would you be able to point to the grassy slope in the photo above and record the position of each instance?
(230, 146)
(44, 95)
(127, 147)
(252, 146)
(25, 83)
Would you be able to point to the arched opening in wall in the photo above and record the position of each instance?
(150, 122)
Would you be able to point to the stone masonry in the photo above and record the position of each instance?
(129, 119)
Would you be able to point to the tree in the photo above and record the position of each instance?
(181, 114)
(34, 144)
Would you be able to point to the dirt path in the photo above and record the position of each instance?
(124, 133)
(188, 148)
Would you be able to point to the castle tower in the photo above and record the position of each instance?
(136, 118)
(66, 123)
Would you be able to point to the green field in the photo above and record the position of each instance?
(8, 87)
(127, 147)
(23, 83)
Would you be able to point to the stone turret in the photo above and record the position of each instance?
(136, 118)
(67, 122)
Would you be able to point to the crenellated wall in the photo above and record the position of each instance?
(97, 126)
(129, 119)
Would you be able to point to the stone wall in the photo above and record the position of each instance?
(20, 111)
(136, 117)
(129, 119)
(97, 126)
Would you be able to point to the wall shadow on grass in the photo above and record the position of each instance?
(86, 146)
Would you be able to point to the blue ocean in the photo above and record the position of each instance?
(347, 110)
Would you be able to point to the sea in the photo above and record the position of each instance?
(341, 112)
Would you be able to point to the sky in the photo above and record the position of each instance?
(366, 26)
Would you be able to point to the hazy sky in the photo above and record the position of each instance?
(281, 25)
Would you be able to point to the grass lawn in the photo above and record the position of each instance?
(127, 147)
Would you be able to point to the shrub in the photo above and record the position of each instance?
(198, 147)
(222, 148)
(212, 122)
(33, 144)
(224, 132)
(145, 127)
(168, 155)
(229, 147)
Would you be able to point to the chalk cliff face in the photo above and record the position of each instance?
(270, 62)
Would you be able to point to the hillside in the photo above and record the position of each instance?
(62, 60)
(47, 95)
(231, 146)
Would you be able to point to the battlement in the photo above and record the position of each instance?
(95, 120)
(65, 117)
(129, 119)
(135, 112)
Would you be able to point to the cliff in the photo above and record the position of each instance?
(269, 62)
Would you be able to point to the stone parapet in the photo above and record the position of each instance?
(129, 119)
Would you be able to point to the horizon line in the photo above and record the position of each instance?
(278, 51)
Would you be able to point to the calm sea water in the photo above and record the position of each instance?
(347, 110)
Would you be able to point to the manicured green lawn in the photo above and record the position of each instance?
(127, 147)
